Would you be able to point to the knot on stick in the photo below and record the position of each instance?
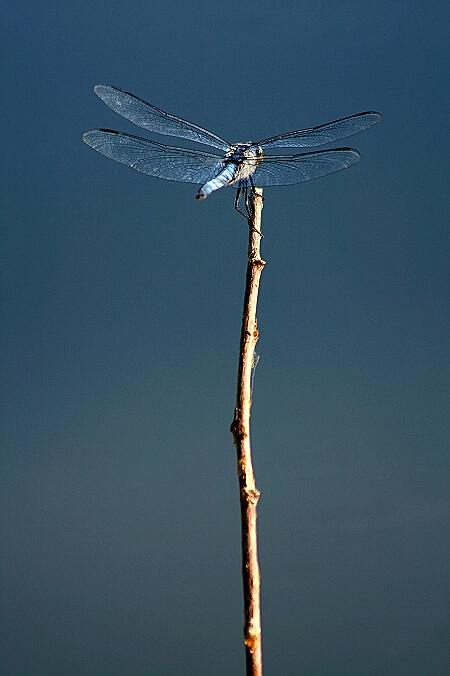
(238, 430)
(251, 495)
(252, 642)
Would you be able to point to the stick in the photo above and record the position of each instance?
(240, 429)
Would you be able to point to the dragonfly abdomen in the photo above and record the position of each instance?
(224, 178)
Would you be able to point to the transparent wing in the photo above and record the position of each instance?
(290, 169)
(148, 117)
(155, 159)
(326, 133)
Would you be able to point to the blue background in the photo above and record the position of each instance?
(122, 299)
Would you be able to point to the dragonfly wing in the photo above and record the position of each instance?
(326, 133)
(290, 169)
(155, 159)
(149, 117)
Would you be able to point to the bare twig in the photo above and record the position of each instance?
(240, 428)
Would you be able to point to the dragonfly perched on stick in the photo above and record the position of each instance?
(242, 165)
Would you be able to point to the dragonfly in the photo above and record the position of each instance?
(241, 165)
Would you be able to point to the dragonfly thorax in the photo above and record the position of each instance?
(246, 157)
(239, 164)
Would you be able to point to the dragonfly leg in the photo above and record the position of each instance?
(247, 194)
(236, 201)
(239, 193)
(248, 202)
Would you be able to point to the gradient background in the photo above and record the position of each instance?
(122, 299)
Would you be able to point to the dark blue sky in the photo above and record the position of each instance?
(122, 297)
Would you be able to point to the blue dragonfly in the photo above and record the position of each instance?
(241, 165)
